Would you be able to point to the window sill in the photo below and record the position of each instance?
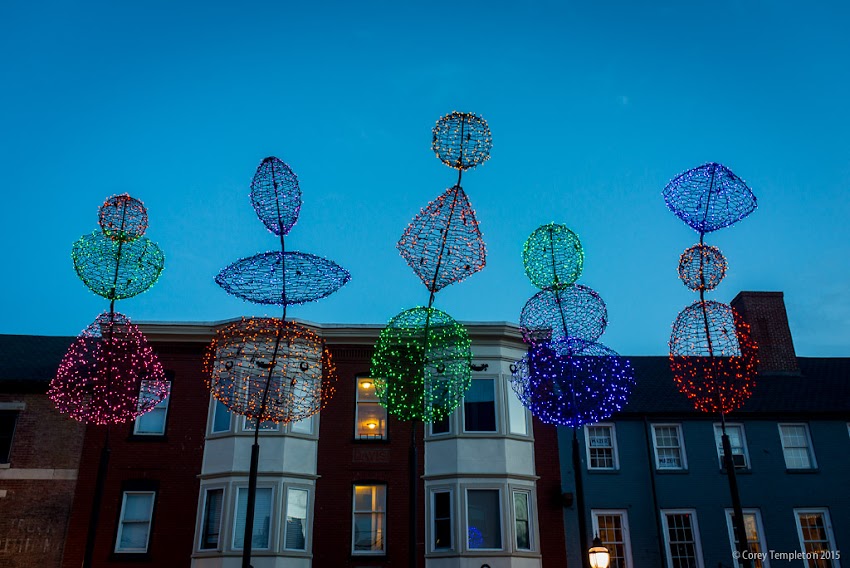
(738, 471)
(371, 440)
(801, 470)
(144, 438)
(5, 465)
(671, 471)
(130, 557)
(603, 471)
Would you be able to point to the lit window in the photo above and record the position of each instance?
(612, 527)
(221, 417)
(737, 440)
(797, 446)
(669, 446)
(522, 520)
(211, 519)
(479, 406)
(262, 518)
(755, 536)
(483, 519)
(369, 518)
(370, 421)
(517, 415)
(816, 538)
(601, 444)
(441, 502)
(681, 537)
(152, 423)
(8, 419)
(134, 525)
(297, 502)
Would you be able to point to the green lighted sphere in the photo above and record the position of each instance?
(421, 364)
(552, 256)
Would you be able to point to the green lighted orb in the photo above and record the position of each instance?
(552, 256)
(421, 364)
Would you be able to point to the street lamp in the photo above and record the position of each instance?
(598, 554)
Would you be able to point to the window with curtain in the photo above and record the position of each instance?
(260, 536)
(522, 520)
(613, 530)
(211, 528)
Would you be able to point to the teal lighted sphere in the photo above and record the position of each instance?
(421, 364)
(552, 256)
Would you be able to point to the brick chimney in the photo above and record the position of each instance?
(765, 312)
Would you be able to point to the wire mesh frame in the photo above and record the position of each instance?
(572, 382)
(443, 244)
(702, 267)
(552, 256)
(575, 311)
(109, 375)
(713, 357)
(268, 369)
(709, 197)
(117, 269)
(123, 218)
(276, 196)
(462, 140)
(421, 365)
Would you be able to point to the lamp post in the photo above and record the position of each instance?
(598, 555)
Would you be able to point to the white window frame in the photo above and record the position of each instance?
(383, 423)
(310, 422)
(718, 439)
(614, 453)
(756, 513)
(161, 406)
(810, 450)
(214, 409)
(273, 507)
(308, 533)
(682, 454)
(354, 511)
(830, 537)
(624, 527)
(122, 522)
(529, 513)
(433, 517)
(203, 518)
(694, 529)
(448, 432)
(516, 411)
(500, 510)
(495, 430)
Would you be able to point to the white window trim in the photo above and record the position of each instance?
(203, 513)
(308, 521)
(718, 441)
(627, 537)
(616, 454)
(121, 522)
(694, 529)
(759, 527)
(164, 404)
(496, 410)
(433, 518)
(383, 551)
(532, 542)
(682, 452)
(809, 448)
(212, 412)
(235, 512)
(827, 523)
(465, 539)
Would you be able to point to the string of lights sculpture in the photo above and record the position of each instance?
(110, 374)
(421, 365)
(712, 356)
(567, 378)
(270, 369)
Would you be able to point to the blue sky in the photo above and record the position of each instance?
(593, 107)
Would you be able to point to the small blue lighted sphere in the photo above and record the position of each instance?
(572, 382)
(552, 256)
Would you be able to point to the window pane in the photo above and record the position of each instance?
(523, 538)
(251, 425)
(681, 540)
(303, 426)
(479, 406)
(517, 415)
(153, 421)
(483, 518)
(441, 426)
(370, 421)
(610, 528)
(7, 430)
(369, 518)
(137, 507)
(262, 518)
(795, 446)
(134, 536)
(296, 519)
(600, 441)
(221, 417)
(442, 520)
(134, 525)
(212, 518)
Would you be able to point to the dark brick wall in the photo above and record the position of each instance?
(550, 510)
(765, 312)
(34, 513)
(170, 463)
(342, 461)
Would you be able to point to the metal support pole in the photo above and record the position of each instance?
(249, 509)
(738, 524)
(102, 468)
(582, 524)
(414, 501)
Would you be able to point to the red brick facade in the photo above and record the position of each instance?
(765, 312)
